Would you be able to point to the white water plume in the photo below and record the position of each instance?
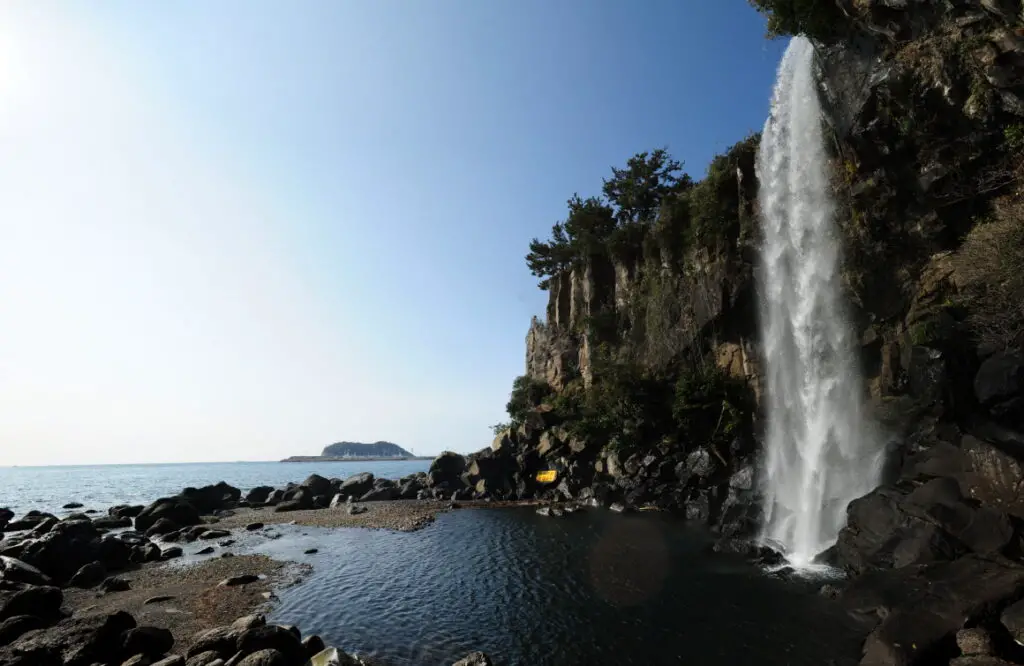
(821, 452)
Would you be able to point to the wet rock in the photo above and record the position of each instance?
(6, 516)
(271, 637)
(125, 510)
(210, 535)
(310, 551)
(618, 507)
(1000, 379)
(43, 601)
(115, 584)
(975, 641)
(226, 543)
(354, 510)
(88, 576)
(16, 571)
(44, 526)
(160, 598)
(205, 551)
(242, 579)
(162, 527)
(252, 527)
(149, 641)
(112, 522)
(148, 552)
(171, 553)
(474, 659)
(16, 626)
(544, 511)
(175, 509)
(73, 505)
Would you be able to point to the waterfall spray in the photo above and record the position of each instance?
(821, 452)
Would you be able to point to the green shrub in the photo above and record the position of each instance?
(1014, 135)
(527, 393)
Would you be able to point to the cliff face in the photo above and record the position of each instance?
(923, 107)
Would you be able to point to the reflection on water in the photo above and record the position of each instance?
(591, 588)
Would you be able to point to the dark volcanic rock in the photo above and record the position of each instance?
(446, 470)
(923, 606)
(271, 637)
(15, 571)
(125, 510)
(161, 527)
(266, 658)
(149, 641)
(73, 505)
(18, 625)
(210, 498)
(317, 484)
(41, 601)
(999, 386)
(90, 575)
(357, 485)
(115, 584)
(76, 641)
(112, 522)
(175, 509)
(258, 495)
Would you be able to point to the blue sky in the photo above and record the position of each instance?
(246, 229)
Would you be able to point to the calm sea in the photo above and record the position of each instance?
(100, 486)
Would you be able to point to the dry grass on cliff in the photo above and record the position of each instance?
(990, 275)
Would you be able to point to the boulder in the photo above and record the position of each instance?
(125, 510)
(219, 640)
(42, 601)
(252, 527)
(6, 516)
(171, 660)
(210, 535)
(271, 637)
(266, 658)
(16, 626)
(247, 622)
(993, 475)
(312, 645)
(1000, 378)
(80, 640)
(289, 505)
(115, 584)
(15, 571)
(974, 641)
(258, 495)
(357, 484)
(171, 553)
(241, 579)
(446, 470)
(89, 576)
(317, 484)
(73, 505)
(161, 527)
(382, 493)
(112, 522)
(149, 641)
(175, 509)
(923, 606)
(207, 658)
(210, 498)
(474, 659)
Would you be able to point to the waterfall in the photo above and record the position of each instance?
(821, 451)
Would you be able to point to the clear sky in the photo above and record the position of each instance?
(244, 229)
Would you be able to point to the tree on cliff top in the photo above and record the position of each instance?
(820, 19)
(633, 197)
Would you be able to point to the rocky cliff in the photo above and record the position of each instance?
(642, 384)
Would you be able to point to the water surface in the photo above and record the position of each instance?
(593, 588)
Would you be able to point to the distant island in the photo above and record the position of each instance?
(358, 451)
